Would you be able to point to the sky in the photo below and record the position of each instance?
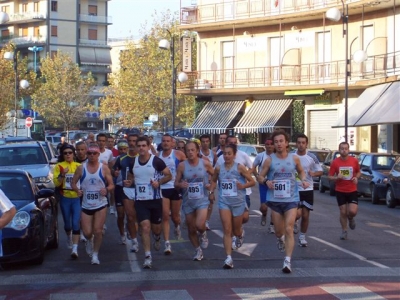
(128, 15)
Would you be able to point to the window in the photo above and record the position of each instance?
(92, 10)
(53, 54)
(228, 58)
(24, 7)
(54, 31)
(6, 9)
(92, 34)
(366, 163)
(5, 33)
(24, 31)
(36, 31)
(36, 6)
(54, 6)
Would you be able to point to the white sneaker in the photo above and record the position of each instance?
(198, 255)
(271, 229)
(135, 246)
(122, 240)
(228, 263)
(112, 210)
(147, 263)
(74, 253)
(287, 268)
(178, 233)
(302, 241)
(263, 220)
(296, 227)
(208, 225)
(89, 247)
(104, 229)
(281, 244)
(69, 241)
(167, 250)
(234, 247)
(157, 242)
(82, 237)
(95, 260)
(203, 240)
(239, 240)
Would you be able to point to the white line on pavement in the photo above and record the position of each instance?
(132, 258)
(392, 232)
(350, 253)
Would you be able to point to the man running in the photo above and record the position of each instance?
(192, 177)
(148, 172)
(172, 199)
(95, 183)
(282, 195)
(311, 167)
(345, 171)
(80, 150)
(110, 146)
(219, 150)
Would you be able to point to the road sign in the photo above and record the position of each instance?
(28, 122)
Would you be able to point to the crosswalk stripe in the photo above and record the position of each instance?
(351, 292)
(392, 232)
(259, 293)
(73, 296)
(166, 294)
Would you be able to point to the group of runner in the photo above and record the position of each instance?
(153, 188)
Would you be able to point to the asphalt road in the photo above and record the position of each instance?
(366, 266)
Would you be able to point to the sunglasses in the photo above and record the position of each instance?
(67, 152)
(91, 153)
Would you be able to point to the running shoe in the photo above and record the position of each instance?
(296, 227)
(208, 225)
(82, 237)
(112, 210)
(287, 268)
(228, 263)
(263, 220)
(147, 262)
(271, 229)
(239, 240)
(104, 229)
(343, 236)
(352, 224)
(89, 247)
(203, 240)
(157, 242)
(302, 241)
(178, 233)
(281, 244)
(122, 240)
(69, 241)
(234, 247)
(95, 260)
(167, 250)
(74, 253)
(198, 254)
(135, 246)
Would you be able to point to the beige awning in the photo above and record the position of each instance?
(87, 56)
(103, 56)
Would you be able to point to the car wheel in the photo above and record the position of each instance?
(374, 195)
(332, 191)
(390, 201)
(321, 187)
(53, 243)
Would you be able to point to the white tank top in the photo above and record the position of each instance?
(210, 156)
(172, 162)
(143, 174)
(91, 184)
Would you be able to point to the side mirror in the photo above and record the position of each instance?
(53, 161)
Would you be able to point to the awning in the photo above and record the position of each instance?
(87, 56)
(103, 56)
(384, 111)
(262, 115)
(359, 108)
(216, 117)
(304, 92)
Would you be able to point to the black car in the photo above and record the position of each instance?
(34, 227)
(375, 167)
(391, 185)
(325, 183)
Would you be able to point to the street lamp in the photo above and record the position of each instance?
(334, 14)
(35, 49)
(182, 77)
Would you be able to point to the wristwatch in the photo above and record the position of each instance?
(210, 193)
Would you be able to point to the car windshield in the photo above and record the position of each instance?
(12, 156)
(321, 155)
(16, 187)
(383, 162)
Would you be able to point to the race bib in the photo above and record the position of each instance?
(346, 172)
(93, 198)
(195, 190)
(229, 188)
(281, 189)
(68, 180)
(144, 191)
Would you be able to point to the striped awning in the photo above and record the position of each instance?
(216, 116)
(262, 115)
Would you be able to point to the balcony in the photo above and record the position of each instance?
(87, 42)
(18, 18)
(95, 69)
(278, 78)
(92, 18)
(21, 41)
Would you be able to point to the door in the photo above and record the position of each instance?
(321, 134)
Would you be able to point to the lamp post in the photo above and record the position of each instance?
(334, 14)
(170, 45)
(35, 49)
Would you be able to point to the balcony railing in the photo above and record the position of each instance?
(92, 42)
(27, 16)
(95, 19)
(239, 9)
(378, 66)
(22, 40)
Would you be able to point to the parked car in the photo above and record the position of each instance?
(251, 150)
(321, 154)
(183, 133)
(392, 186)
(54, 139)
(34, 227)
(325, 183)
(14, 139)
(74, 136)
(51, 151)
(375, 167)
(31, 157)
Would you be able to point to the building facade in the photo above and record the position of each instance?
(257, 58)
(75, 27)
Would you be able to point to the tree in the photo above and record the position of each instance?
(143, 85)
(63, 96)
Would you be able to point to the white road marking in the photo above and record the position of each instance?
(166, 294)
(257, 212)
(259, 293)
(132, 258)
(392, 232)
(349, 252)
(246, 249)
(351, 292)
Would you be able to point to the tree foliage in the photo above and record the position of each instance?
(63, 96)
(143, 86)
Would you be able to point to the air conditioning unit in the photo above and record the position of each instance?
(90, 125)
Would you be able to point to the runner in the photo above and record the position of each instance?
(111, 146)
(70, 203)
(345, 171)
(282, 195)
(148, 172)
(95, 183)
(311, 167)
(192, 177)
(258, 161)
(219, 150)
(80, 150)
(233, 179)
(171, 197)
